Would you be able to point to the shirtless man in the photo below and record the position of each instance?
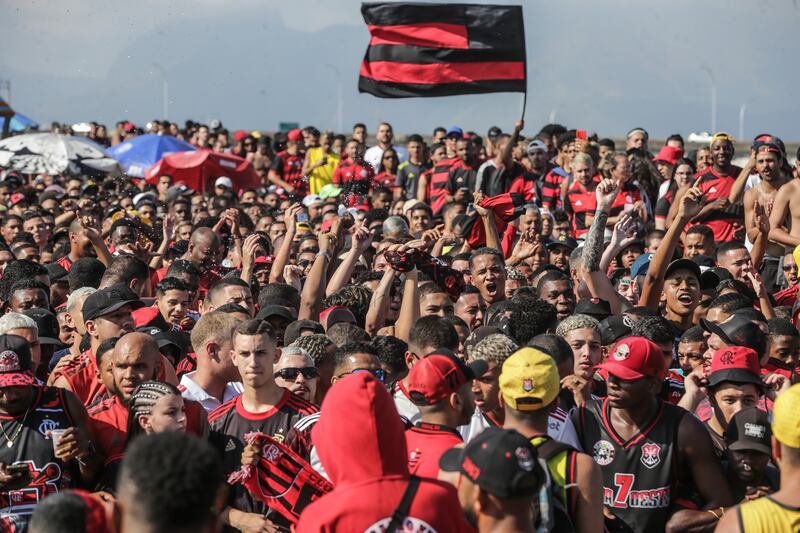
(768, 165)
(786, 206)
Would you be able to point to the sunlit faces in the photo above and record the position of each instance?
(682, 292)
(587, 350)
(489, 276)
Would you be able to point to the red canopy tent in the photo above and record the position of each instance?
(197, 170)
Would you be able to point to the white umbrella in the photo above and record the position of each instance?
(52, 153)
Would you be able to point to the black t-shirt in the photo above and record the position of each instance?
(230, 422)
(639, 475)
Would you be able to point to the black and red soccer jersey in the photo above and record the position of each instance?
(348, 172)
(34, 449)
(437, 183)
(639, 474)
(551, 188)
(230, 422)
(462, 176)
(290, 169)
(723, 222)
(579, 203)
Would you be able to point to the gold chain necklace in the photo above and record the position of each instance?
(10, 441)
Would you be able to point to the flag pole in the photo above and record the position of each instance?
(524, 100)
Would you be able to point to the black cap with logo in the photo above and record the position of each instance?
(500, 461)
(749, 429)
(109, 300)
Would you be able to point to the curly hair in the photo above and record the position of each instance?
(577, 322)
(495, 348)
(354, 297)
(316, 345)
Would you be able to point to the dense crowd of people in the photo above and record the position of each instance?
(452, 333)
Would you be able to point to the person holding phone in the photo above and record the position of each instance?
(45, 446)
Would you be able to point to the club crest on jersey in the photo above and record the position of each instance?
(413, 459)
(47, 425)
(651, 454)
(527, 384)
(621, 352)
(9, 361)
(603, 452)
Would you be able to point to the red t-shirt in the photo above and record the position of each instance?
(526, 187)
(579, 203)
(725, 223)
(108, 421)
(290, 169)
(65, 262)
(426, 443)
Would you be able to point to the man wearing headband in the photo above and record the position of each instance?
(716, 183)
(637, 139)
(766, 159)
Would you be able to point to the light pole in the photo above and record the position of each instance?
(742, 111)
(164, 91)
(710, 73)
(339, 98)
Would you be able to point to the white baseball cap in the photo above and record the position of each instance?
(224, 181)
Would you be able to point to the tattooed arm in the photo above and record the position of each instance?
(597, 281)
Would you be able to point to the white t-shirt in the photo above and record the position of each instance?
(192, 391)
(374, 155)
(559, 427)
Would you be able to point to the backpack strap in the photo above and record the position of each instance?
(404, 506)
(551, 447)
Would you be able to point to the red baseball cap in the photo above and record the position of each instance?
(669, 154)
(240, 135)
(294, 135)
(635, 358)
(737, 364)
(439, 374)
(264, 260)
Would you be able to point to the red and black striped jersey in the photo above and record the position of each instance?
(230, 422)
(437, 183)
(629, 195)
(723, 222)
(290, 169)
(551, 188)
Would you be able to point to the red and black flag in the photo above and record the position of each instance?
(442, 50)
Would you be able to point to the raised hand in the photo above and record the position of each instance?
(361, 238)
(527, 245)
(690, 204)
(250, 248)
(761, 218)
(624, 231)
(606, 193)
(477, 200)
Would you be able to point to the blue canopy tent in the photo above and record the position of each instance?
(138, 154)
(20, 123)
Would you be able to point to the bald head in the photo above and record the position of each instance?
(204, 246)
(136, 359)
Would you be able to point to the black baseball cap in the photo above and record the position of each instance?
(275, 310)
(738, 330)
(16, 365)
(749, 429)
(56, 273)
(615, 328)
(683, 264)
(562, 240)
(46, 323)
(109, 300)
(594, 307)
(500, 461)
(295, 330)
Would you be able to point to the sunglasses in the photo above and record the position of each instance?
(290, 374)
(789, 268)
(379, 373)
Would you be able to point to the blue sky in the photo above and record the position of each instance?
(602, 66)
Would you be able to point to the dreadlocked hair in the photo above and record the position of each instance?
(142, 401)
(354, 297)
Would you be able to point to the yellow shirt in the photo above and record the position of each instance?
(765, 515)
(321, 176)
